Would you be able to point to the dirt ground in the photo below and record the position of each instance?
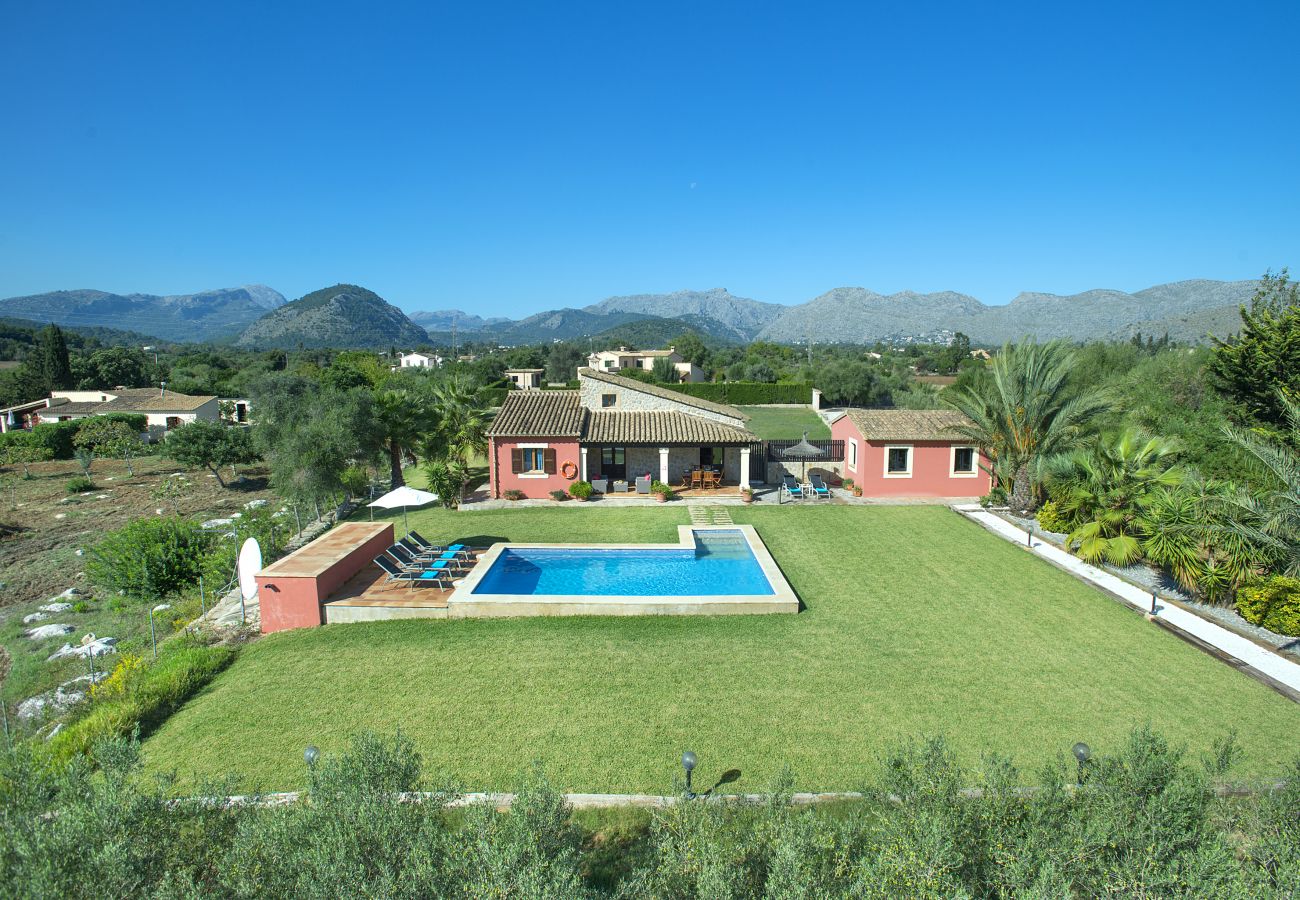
(45, 525)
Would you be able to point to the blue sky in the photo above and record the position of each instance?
(507, 159)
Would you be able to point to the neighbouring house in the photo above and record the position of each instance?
(22, 416)
(623, 358)
(163, 409)
(527, 379)
(910, 453)
(613, 429)
(418, 361)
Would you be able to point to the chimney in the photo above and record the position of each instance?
(163, 389)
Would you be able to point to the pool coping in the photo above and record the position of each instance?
(463, 603)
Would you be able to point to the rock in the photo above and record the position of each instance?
(60, 699)
(34, 617)
(96, 647)
(60, 515)
(216, 523)
(79, 552)
(70, 592)
(158, 512)
(255, 504)
(236, 515)
(45, 632)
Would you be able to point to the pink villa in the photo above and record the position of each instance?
(910, 453)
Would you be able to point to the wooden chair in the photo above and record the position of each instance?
(711, 479)
(697, 478)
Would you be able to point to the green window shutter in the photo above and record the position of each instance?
(516, 460)
(548, 461)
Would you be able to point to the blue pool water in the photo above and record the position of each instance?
(723, 563)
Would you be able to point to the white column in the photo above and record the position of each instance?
(582, 463)
(663, 464)
(744, 467)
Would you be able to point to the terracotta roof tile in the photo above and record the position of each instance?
(659, 427)
(539, 414)
(908, 424)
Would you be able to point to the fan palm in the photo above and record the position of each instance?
(1024, 412)
(1106, 489)
(401, 418)
(1184, 533)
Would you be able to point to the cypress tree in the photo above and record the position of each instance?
(51, 362)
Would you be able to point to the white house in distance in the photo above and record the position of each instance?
(612, 360)
(163, 409)
(418, 361)
(526, 379)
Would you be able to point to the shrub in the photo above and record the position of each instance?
(144, 697)
(580, 490)
(662, 489)
(1050, 518)
(355, 480)
(150, 558)
(80, 484)
(557, 496)
(1273, 603)
(848, 484)
(995, 497)
(513, 494)
(56, 437)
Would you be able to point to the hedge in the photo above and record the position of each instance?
(746, 393)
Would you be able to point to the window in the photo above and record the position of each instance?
(609, 364)
(608, 400)
(898, 462)
(853, 454)
(963, 461)
(534, 459)
(173, 422)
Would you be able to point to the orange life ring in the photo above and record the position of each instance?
(569, 470)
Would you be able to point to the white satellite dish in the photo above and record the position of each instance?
(250, 563)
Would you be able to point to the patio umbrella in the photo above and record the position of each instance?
(403, 496)
(804, 450)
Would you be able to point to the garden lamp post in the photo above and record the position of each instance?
(688, 763)
(153, 634)
(310, 755)
(1082, 752)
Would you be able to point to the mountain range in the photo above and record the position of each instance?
(351, 316)
(205, 316)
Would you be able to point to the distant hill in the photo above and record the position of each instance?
(738, 316)
(442, 319)
(78, 335)
(344, 315)
(857, 315)
(205, 316)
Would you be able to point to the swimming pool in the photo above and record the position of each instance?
(711, 570)
(721, 563)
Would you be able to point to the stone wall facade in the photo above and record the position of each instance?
(594, 389)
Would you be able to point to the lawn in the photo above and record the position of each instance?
(776, 423)
(918, 622)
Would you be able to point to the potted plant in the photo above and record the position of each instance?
(580, 491)
(514, 494)
(661, 491)
(857, 490)
(747, 495)
(559, 496)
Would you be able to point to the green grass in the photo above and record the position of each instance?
(918, 622)
(775, 424)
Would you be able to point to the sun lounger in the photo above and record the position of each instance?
(790, 488)
(422, 577)
(429, 547)
(820, 490)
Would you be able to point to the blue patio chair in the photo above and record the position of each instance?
(422, 577)
(408, 560)
(429, 547)
(820, 490)
(790, 488)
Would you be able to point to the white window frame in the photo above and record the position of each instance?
(853, 455)
(534, 473)
(911, 460)
(974, 460)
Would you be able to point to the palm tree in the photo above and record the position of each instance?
(1024, 412)
(1269, 516)
(460, 421)
(1106, 489)
(401, 418)
(1185, 533)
